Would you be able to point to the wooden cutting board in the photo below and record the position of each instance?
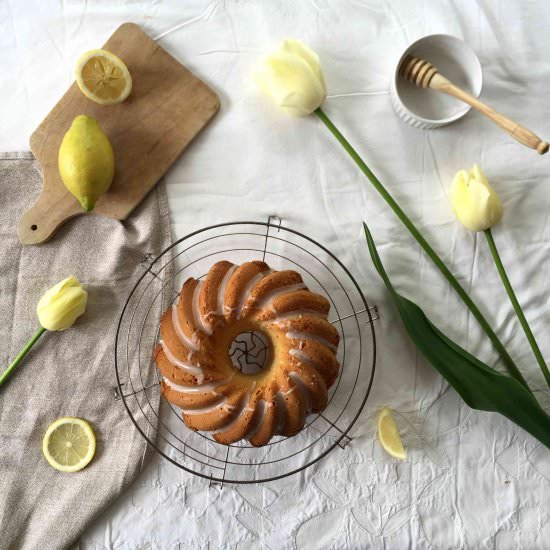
(167, 108)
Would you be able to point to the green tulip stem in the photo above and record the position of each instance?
(4, 376)
(509, 363)
(516, 305)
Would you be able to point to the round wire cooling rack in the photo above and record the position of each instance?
(160, 422)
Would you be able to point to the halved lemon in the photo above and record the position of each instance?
(388, 435)
(103, 77)
(69, 444)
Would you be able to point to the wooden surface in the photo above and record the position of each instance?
(167, 108)
(425, 75)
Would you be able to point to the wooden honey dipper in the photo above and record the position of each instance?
(425, 75)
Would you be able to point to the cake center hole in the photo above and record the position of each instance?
(250, 352)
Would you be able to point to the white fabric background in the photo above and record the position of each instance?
(472, 480)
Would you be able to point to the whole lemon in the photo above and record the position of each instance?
(86, 161)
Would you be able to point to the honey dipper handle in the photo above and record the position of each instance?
(517, 131)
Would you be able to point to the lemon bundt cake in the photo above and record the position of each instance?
(199, 376)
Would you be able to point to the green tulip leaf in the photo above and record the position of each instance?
(480, 386)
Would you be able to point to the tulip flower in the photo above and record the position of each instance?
(475, 202)
(478, 208)
(293, 78)
(58, 309)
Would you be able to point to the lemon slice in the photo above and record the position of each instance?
(69, 444)
(388, 434)
(103, 77)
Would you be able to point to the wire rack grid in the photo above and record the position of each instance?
(160, 422)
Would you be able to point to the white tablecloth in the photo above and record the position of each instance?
(472, 480)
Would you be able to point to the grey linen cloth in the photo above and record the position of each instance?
(68, 373)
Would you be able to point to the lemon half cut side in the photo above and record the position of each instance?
(103, 77)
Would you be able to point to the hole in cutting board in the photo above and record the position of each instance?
(34, 227)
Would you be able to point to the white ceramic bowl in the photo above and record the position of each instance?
(425, 108)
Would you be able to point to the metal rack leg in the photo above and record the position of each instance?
(345, 440)
(278, 222)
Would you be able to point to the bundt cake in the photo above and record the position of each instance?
(198, 374)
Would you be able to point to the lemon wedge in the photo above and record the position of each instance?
(68, 444)
(388, 435)
(103, 77)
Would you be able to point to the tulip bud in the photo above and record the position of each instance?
(475, 202)
(293, 78)
(59, 308)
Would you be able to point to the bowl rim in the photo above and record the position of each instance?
(437, 121)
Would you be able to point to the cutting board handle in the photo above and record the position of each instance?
(44, 218)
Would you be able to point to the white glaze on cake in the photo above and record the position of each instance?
(302, 388)
(234, 421)
(266, 301)
(294, 335)
(189, 343)
(221, 290)
(197, 315)
(247, 290)
(203, 388)
(303, 358)
(298, 314)
(191, 369)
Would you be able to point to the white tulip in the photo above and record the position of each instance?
(475, 202)
(292, 77)
(60, 306)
